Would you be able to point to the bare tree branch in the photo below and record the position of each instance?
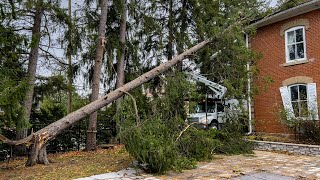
(135, 107)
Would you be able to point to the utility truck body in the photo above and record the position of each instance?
(214, 110)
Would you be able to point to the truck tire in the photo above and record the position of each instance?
(214, 125)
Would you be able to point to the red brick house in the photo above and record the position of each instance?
(289, 42)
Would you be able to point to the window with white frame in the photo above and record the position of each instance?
(300, 101)
(295, 44)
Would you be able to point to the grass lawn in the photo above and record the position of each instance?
(69, 165)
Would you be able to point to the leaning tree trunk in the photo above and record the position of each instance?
(22, 131)
(92, 128)
(120, 63)
(38, 140)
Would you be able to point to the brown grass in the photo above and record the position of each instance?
(69, 165)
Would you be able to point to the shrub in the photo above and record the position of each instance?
(305, 129)
(158, 136)
(231, 139)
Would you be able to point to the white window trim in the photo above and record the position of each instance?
(304, 44)
(285, 93)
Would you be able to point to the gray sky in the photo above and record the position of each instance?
(61, 55)
(273, 3)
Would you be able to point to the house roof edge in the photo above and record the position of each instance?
(286, 14)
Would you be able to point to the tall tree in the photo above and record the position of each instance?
(181, 35)
(39, 29)
(31, 72)
(170, 30)
(219, 22)
(70, 73)
(13, 85)
(92, 128)
(122, 49)
(39, 139)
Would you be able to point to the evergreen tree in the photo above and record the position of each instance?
(13, 84)
(39, 43)
(99, 57)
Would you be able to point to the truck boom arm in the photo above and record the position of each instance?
(219, 91)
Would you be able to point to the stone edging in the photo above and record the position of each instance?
(303, 149)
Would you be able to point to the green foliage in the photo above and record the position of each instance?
(287, 4)
(231, 138)
(106, 129)
(162, 140)
(151, 144)
(54, 106)
(199, 144)
(306, 128)
(13, 85)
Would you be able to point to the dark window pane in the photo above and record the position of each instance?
(290, 36)
(303, 109)
(299, 35)
(300, 50)
(303, 92)
(294, 93)
(291, 49)
(295, 106)
(220, 107)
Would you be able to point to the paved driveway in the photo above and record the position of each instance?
(296, 166)
(261, 165)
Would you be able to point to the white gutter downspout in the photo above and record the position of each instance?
(249, 90)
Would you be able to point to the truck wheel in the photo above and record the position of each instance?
(214, 125)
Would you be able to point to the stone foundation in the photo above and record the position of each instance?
(302, 149)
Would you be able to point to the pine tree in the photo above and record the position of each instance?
(39, 31)
(122, 49)
(92, 128)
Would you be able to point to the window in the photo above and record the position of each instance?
(295, 44)
(299, 99)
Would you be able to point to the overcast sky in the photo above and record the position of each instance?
(60, 53)
(273, 3)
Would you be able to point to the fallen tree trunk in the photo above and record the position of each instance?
(38, 140)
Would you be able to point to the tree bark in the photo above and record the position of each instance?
(182, 33)
(92, 128)
(170, 29)
(52, 130)
(38, 152)
(120, 64)
(31, 74)
(69, 74)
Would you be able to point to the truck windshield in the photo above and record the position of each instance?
(201, 108)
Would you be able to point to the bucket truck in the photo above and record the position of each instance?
(211, 113)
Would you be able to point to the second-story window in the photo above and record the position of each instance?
(295, 44)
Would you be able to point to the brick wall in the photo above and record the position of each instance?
(270, 42)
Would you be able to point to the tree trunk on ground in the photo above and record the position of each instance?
(92, 128)
(120, 63)
(52, 130)
(32, 67)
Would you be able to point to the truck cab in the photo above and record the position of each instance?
(210, 114)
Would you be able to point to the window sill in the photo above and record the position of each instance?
(295, 62)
